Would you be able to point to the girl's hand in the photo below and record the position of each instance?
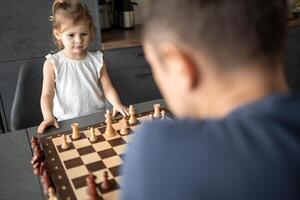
(46, 123)
(120, 109)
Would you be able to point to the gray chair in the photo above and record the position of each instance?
(26, 111)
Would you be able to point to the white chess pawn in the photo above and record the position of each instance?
(163, 114)
(65, 144)
(131, 109)
(109, 131)
(51, 194)
(132, 119)
(156, 111)
(124, 131)
(150, 117)
(93, 136)
(107, 114)
(75, 131)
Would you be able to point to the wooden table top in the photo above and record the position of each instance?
(17, 180)
(121, 38)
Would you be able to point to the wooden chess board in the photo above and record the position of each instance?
(69, 168)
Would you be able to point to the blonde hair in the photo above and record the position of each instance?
(73, 10)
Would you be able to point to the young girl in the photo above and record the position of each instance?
(72, 77)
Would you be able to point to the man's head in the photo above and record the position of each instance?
(187, 42)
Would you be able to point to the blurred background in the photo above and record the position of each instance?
(26, 36)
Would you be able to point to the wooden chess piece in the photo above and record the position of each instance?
(132, 119)
(163, 114)
(35, 159)
(124, 123)
(93, 136)
(75, 131)
(124, 126)
(105, 185)
(65, 145)
(37, 152)
(124, 131)
(156, 111)
(41, 168)
(51, 194)
(150, 117)
(109, 131)
(46, 182)
(33, 142)
(92, 187)
(36, 168)
(107, 114)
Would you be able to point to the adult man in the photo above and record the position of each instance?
(218, 64)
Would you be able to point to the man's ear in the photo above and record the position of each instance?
(180, 64)
(57, 34)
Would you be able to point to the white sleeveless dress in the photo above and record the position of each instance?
(77, 85)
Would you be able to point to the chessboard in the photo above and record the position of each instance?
(69, 167)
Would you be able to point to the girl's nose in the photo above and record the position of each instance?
(78, 39)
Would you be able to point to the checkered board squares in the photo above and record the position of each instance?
(69, 168)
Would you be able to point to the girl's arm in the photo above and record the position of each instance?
(111, 94)
(47, 97)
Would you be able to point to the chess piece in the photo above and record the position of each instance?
(107, 114)
(92, 187)
(150, 117)
(156, 111)
(38, 155)
(124, 126)
(38, 152)
(163, 114)
(105, 185)
(42, 168)
(124, 123)
(124, 131)
(75, 131)
(93, 136)
(46, 182)
(34, 142)
(36, 168)
(65, 144)
(35, 159)
(51, 194)
(132, 119)
(109, 131)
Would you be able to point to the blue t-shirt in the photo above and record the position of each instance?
(253, 153)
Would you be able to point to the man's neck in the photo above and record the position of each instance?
(223, 95)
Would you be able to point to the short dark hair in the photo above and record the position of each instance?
(228, 31)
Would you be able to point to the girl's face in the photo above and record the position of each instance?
(75, 38)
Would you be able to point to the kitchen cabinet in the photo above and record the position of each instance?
(292, 58)
(131, 75)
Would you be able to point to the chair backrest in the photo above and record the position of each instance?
(26, 110)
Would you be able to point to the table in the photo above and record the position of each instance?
(17, 180)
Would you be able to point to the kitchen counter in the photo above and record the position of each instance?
(294, 22)
(121, 38)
